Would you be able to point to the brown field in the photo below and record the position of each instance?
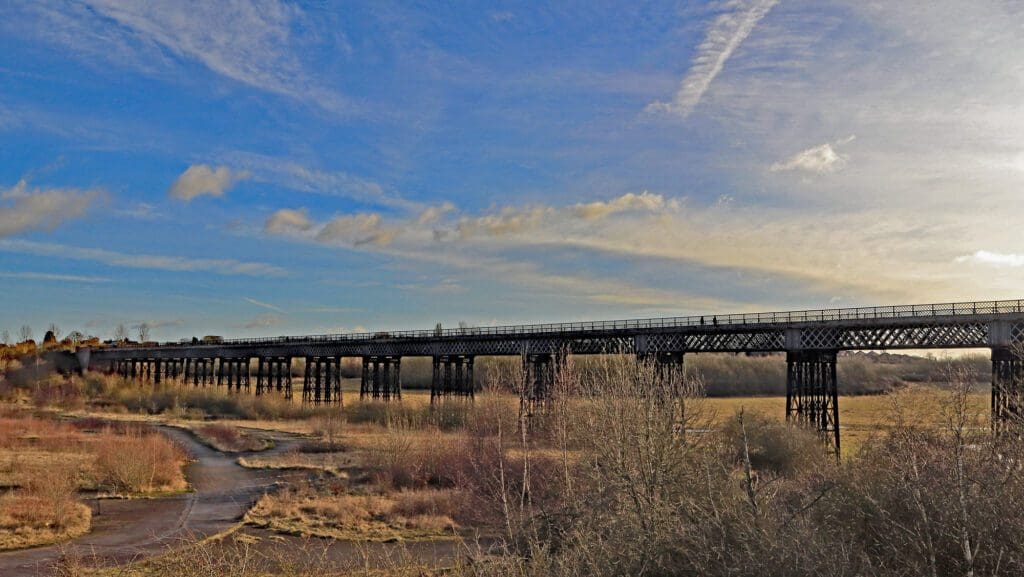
(619, 468)
(44, 463)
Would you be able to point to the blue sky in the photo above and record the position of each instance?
(259, 167)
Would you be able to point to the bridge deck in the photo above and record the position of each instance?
(928, 326)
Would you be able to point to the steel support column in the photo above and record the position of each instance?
(452, 376)
(812, 396)
(540, 371)
(381, 378)
(316, 383)
(1007, 390)
(667, 374)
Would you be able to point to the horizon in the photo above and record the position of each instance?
(254, 168)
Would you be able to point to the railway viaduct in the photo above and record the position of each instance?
(810, 338)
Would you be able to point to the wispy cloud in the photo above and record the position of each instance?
(201, 179)
(23, 208)
(263, 321)
(994, 259)
(723, 37)
(356, 230)
(262, 304)
(140, 211)
(142, 261)
(155, 324)
(53, 277)
(445, 221)
(249, 41)
(820, 159)
(297, 176)
(288, 219)
(643, 202)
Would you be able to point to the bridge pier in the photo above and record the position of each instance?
(219, 370)
(1007, 390)
(812, 396)
(452, 375)
(668, 370)
(157, 367)
(540, 371)
(381, 378)
(274, 374)
(206, 371)
(668, 376)
(322, 380)
(311, 381)
(231, 373)
(243, 374)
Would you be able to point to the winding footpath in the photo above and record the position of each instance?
(126, 530)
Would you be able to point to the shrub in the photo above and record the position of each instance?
(137, 462)
(773, 446)
(229, 439)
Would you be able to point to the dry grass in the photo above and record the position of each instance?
(332, 463)
(139, 462)
(45, 462)
(29, 521)
(229, 439)
(862, 418)
(402, 516)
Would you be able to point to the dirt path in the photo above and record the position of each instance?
(131, 529)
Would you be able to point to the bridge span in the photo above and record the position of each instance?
(810, 339)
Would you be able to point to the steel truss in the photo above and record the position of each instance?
(322, 380)
(452, 376)
(381, 378)
(812, 396)
(1007, 391)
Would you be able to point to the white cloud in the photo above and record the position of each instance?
(288, 219)
(22, 208)
(723, 37)
(264, 321)
(992, 259)
(820, 159)
(250, 41)
(294, 175)
(202, 179)
(144, 261)
(645, 201)
(433, 214)
(509, 221)
(356, 230)
(53, 277)
(262, 304)
(141, 211)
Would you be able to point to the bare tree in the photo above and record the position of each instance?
(143, 332)
(25, 333)
(5, 337)
(55, 329)
(121, 333)
(76, 337)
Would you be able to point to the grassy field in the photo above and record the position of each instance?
(45, 462)
(860, 417)
(412, 470)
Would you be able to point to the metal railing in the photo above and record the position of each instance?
(729, 320)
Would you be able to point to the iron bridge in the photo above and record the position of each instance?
(810, 339)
